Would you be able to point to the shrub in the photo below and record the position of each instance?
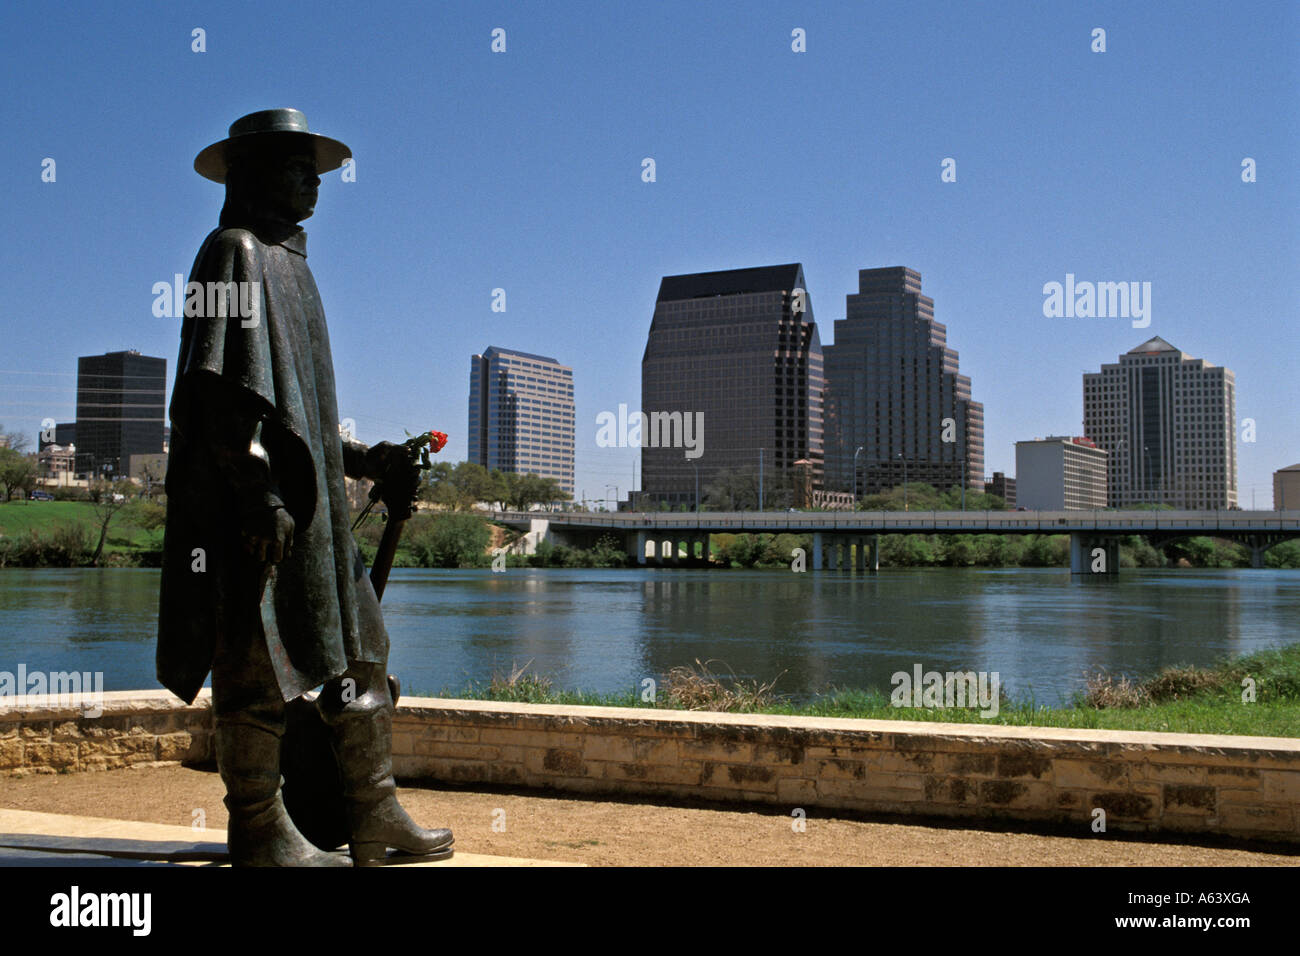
(454, 540)
(698, 688)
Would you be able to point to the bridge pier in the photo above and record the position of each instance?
(1092, 553)
(636, 547)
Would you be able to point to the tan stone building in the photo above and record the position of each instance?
(1286, 489)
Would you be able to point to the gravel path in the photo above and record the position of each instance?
(615, 833)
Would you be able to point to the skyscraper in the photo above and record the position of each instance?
(121, 399)
(1167, 420)
(738, 352)
(893, 390)
(521, 415)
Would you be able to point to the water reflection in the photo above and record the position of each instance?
(1041, 630)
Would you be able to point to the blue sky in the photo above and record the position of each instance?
(522, 171)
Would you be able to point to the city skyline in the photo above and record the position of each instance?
(874, 284)
(525, 175)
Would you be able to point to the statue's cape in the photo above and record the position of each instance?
(277, 369)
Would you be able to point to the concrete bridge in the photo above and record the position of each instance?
(844, 539)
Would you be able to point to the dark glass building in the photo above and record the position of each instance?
(521, 415)
(893, 390)
(738, 352)
(121, 411)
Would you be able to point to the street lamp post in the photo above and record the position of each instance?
(1119, 465)
(697, 486)
(904, 461)
(855, 476)
(1146, 470)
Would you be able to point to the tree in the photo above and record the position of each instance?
(17, 441)
(459, 487)
(17, 472)
(524, 491)
(106, 501)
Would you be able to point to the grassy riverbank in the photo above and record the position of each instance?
(1210, 700)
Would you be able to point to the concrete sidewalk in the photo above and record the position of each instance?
(32, 838)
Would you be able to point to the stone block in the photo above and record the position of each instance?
(1023, 766)
(735, 777)
(984, 765)
(1238, 778)
(555, 762)
(1280, 786)
(1010, 794)
(1124, 806)
(1190, 799)
(450, 751)
(785, 755)
(1176, 773)
(726, 751)
(174, 746)
(645, 750)
(56, 756)
(11, 753)
(835, 769)
(796, 791)
(1090, 774)
(65, 730)
(908, 762)
(940, 789)
(544, 739)
(1253, 819)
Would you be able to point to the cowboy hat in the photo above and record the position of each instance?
(260, 129)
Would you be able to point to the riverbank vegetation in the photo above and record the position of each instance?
(1254, 695)
(66, 534)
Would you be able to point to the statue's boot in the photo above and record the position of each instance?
(260, 832)
(363, 745)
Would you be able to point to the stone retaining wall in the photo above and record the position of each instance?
(45, 735)
(1238, 786)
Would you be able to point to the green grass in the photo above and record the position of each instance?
(1177, 700)
(19, 517)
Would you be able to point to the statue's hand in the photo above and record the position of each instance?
(268, 534)
(398, 477)
(386, 460)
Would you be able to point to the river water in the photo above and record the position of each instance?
(606, 630)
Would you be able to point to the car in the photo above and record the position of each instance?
(39, 496)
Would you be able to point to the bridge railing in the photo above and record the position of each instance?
(904, 522)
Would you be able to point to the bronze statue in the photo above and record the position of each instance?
(263, 583)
